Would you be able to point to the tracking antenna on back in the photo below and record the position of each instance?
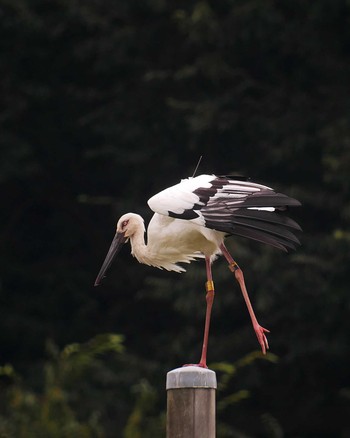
(199, 162)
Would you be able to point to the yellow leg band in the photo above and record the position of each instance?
(209, 285)
(233, 266)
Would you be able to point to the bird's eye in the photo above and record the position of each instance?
(124, 224)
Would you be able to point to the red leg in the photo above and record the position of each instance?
(209, 285)
(260, 331)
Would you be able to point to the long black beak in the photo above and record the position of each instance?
(117, 243)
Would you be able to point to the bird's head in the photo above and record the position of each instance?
(127, 226)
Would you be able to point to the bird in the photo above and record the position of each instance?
(193, 219)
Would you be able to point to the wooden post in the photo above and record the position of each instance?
(191, 403)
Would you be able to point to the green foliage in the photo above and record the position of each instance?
(229, 370)
(144, 421)
(228, 397)
(50, 413)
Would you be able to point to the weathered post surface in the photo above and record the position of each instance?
(191, 394)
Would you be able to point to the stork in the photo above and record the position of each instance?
(191, 221)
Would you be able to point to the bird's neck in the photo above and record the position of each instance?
(138, 247)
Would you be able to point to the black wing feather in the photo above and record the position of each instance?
(267, 216)
(233, 206)
(264, 238)
(241, 216)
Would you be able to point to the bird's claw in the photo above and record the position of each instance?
(260, 333)
(200, 364)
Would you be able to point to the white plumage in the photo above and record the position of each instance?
(192, 220)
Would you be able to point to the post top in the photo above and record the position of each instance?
(191, 377)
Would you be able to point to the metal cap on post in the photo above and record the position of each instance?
(191, 402)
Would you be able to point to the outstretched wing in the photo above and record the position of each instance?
(235, 207)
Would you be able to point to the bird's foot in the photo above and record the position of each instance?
(200, 364)
(260, 333)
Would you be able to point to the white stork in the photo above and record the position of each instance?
(192, 219)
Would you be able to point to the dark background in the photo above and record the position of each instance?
(103, 104)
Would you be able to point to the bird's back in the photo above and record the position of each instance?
(233, 207)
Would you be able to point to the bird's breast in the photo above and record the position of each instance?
(179, 237)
